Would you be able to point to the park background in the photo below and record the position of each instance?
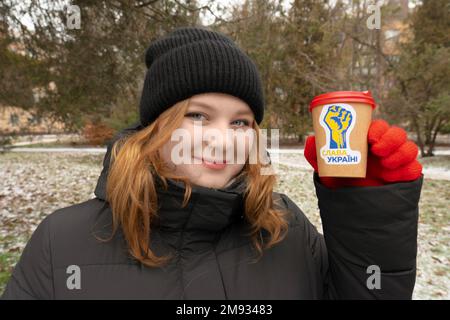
(66, 89)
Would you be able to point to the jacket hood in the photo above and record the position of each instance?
(100, 189)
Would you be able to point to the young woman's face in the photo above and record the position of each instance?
(218, 117)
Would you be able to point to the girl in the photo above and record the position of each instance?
(215, 229)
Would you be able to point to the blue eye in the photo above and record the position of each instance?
(243, 123)
(195, 115)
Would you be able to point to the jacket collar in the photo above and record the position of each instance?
(208, 209)
(197, 226)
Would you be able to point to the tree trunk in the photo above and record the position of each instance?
(419, 137)
(432, 143)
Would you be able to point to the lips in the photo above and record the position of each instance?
(213, 164)
(214, 161)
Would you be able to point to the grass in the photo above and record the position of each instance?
(7, 262)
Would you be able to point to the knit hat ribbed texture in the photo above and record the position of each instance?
(194, 60)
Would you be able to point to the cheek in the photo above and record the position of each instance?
(166, 152)
(234, 169)
(243, 146)
(180, 149)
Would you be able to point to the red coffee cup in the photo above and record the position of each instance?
(341, 120)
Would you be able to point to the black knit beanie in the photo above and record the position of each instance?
(194, 60)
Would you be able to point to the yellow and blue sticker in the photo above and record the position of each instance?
(338, 120)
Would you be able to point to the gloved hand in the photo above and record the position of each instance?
(391, 158)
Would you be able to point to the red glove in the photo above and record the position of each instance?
(391, 158)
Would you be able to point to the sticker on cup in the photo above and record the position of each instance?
(338, 121)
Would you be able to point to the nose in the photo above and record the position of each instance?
(220, 140)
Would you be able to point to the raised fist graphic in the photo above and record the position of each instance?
(338, 121)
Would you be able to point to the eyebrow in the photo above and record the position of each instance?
(202, 104)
